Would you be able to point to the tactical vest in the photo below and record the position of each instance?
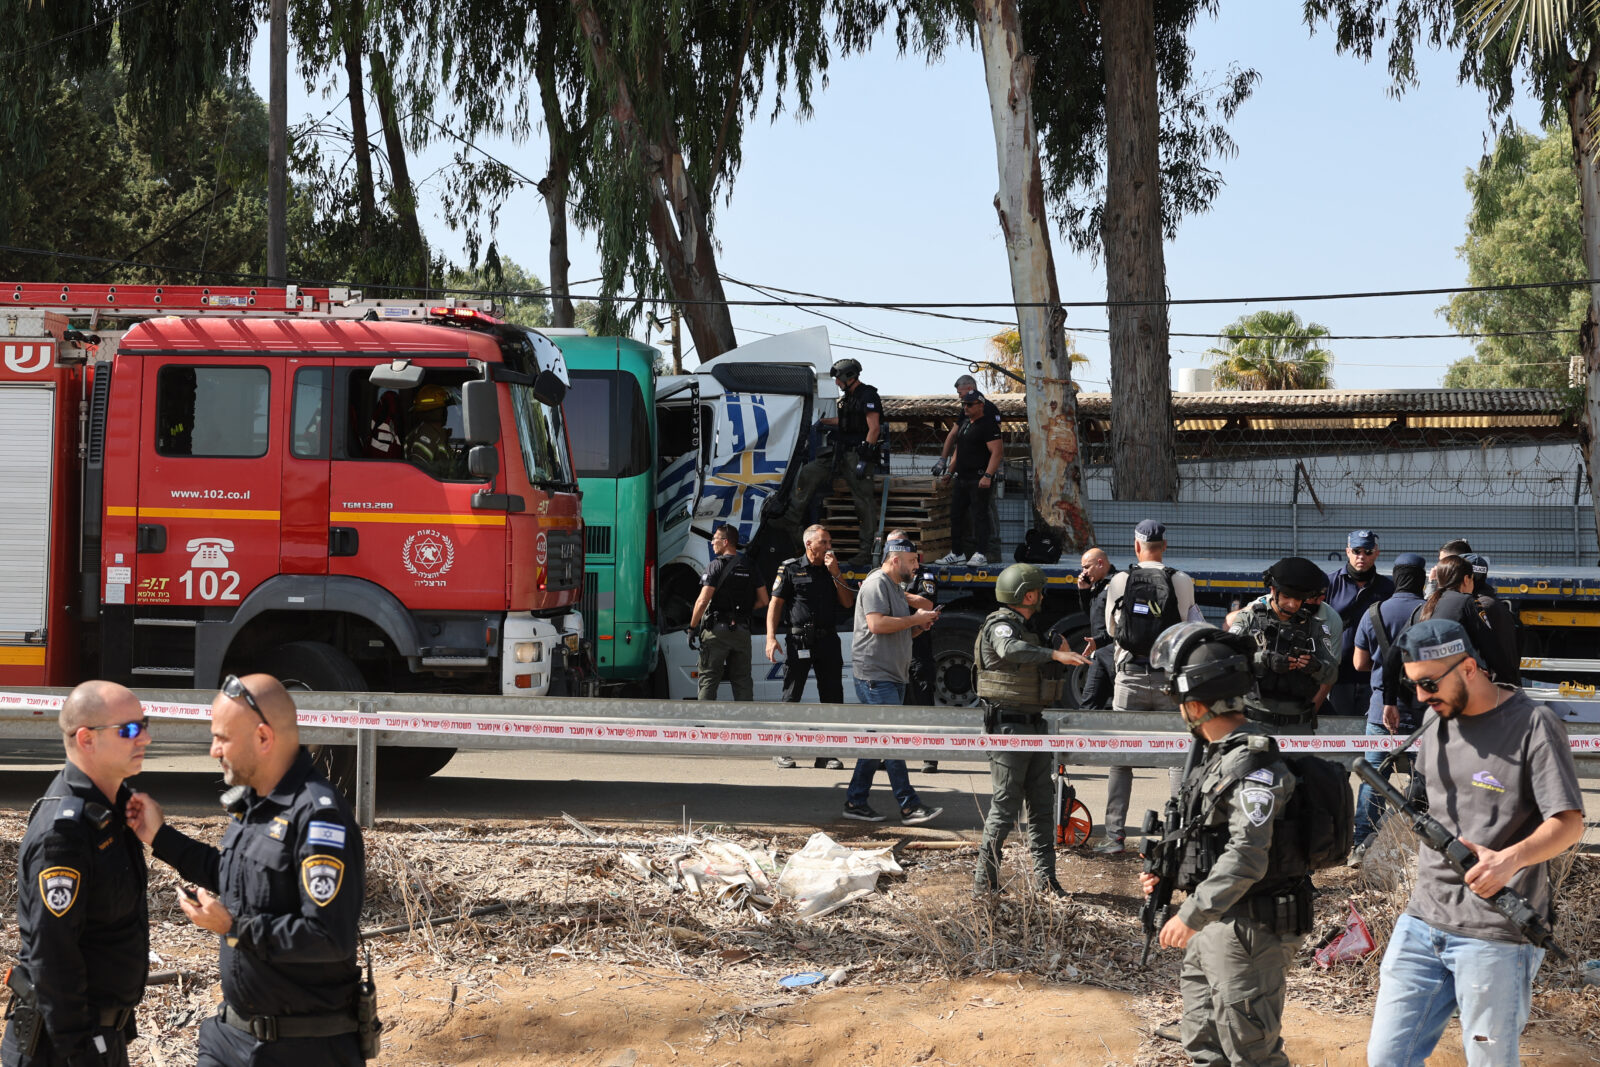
(1297, 687)
(1036, 685)
(1286, 859)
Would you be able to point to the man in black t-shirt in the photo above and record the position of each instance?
(807, 596)
(731, 593)
(964, 385)
(977, 463)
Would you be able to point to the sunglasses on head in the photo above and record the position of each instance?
(126, 730)
(1431, 685)
(234, 689)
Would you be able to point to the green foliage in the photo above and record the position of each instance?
(1525, 226)
(509, 285)
(1271, 350)
(114, 185)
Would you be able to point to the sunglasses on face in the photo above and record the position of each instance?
(1431, 685)
(1365, 551)
(126, 730)
(234, 689)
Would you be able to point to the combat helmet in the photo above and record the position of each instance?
(1017, 581)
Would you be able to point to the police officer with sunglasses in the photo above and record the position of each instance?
(283, 893)
(81, 908)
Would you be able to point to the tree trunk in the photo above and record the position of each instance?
(401, 195)
(360, 139)
(1580, 101)
(557, 179)
(1143, 443)
(678, 225)
(1058, 491)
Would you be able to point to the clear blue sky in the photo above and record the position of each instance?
(886, 193)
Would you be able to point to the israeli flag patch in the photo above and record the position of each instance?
(1264, 776)
(325, 833)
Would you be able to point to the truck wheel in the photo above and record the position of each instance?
(954, 685)
(315, 666)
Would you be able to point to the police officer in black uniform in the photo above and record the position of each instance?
(979, 453)
(284, 893)
(858, 442)
(81, 909)
(1244, 867)
(731, 595)
(807, 595)
(1298, 645)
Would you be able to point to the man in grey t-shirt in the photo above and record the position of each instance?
(886, 620)
(1500, 776)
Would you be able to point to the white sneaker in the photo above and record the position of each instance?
(950, 559)
(977, 559)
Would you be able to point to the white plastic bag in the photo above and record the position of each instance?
(824, 876)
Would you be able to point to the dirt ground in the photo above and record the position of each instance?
(589, 965)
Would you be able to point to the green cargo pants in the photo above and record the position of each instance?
(725, 655)
(1018, 779)
(1233, 990)
(817, 476)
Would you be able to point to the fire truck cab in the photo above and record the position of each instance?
(378, 503)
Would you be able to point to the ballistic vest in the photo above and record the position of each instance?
(1031, 685)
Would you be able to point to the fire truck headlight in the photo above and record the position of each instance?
(527, 652)
(573, 642)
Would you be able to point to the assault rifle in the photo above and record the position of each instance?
(1507, 902)
(1162, 852)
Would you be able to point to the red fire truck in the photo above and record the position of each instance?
(351, 495)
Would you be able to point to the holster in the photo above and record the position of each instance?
(1285, 914)
(991, 717)
(23, 1018)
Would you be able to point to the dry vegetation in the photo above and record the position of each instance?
(561, 900)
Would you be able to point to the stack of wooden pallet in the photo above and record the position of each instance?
(920, 506)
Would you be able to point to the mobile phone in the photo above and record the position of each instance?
(188, 893)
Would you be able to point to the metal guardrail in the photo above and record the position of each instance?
(611, 725)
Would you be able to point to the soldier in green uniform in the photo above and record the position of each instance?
(1244, 868)
(857, 442)
(1298, 645)
(1017, 679)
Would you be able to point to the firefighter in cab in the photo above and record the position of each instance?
(428, 443)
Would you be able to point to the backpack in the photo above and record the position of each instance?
(1147, 606)
(1038, 546)
(1322, 810)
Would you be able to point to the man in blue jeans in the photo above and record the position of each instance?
(1376, 631)
(1500, 777)
(886, 620)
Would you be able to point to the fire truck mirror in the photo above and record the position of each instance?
(483, 461)
(548, 388)
(396, 374)
(480, 413)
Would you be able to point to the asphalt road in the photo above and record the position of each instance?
(657, 791)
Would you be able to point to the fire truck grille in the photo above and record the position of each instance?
(564, 565)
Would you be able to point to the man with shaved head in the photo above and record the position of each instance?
(284, 891)
(81, 906)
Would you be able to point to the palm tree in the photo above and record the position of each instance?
(1271, 350)
(1006, 347)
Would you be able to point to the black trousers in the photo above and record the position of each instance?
(1101, 681)
(45, 1055)
(828, 660)
(222, 1045)
(969, 514)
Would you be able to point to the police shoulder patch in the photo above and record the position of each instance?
(1003, 630)
(325, 833)
(1263, 776)
(1258, 805)
(322, 876)
(58, 888)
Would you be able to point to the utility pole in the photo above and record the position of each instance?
(278, 147)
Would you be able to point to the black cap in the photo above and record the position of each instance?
(1296, 576)
(971, 398)
(1150, 530)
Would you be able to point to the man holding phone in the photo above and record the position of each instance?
(81, 907)
(284, 892)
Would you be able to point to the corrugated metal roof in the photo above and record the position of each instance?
(1544, 404)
